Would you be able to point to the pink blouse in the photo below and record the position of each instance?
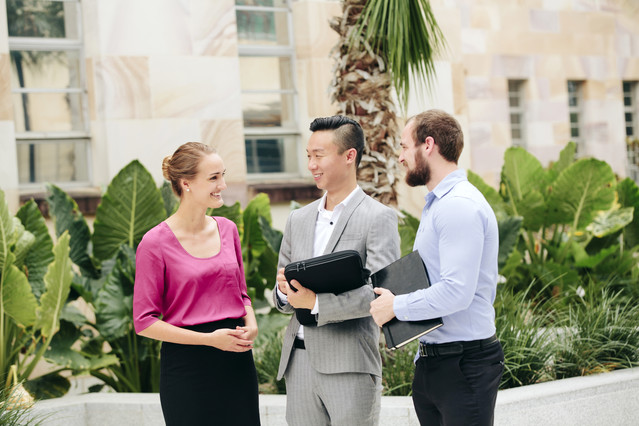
(185, 290)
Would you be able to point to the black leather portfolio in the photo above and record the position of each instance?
(405, 275)
(330, 273)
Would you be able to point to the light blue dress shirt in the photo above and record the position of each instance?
(458, 241)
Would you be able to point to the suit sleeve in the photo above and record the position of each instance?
(284, 259)
(382, 248)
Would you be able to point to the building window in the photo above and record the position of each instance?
(632, 133)
(575, 102)
(265, 44)
(516, 105)
(49, 91)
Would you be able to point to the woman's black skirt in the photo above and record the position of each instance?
(202, 385)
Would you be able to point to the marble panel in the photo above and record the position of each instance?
(91, 28)
(487, 159)
(548, 66)
(486, 18)
(623, 44)
(213, 27)
(635, 45)
(513, 66)
(573, 68)
(546, 111)
(629, 68)
(458, 74)
(561, 132)
(538, 89)
(590, 44)
(601, 23)
(312, 32)
(597, 132)
(487, 110)
(144, 27)
(122, 87)
(148, 141)
(501, 134)
(227, 137)
(449, 21)
(595, 90)
(195, 87)
(473, 40)
(544, 20)
(9, 158)
(478, 88)
(546, 153)
(479, 65)
(539, 134)
(479, 134)
(4, 31)
(314, 76)
(90, 76)
(6, 104)
(557, 4)
(514, 17)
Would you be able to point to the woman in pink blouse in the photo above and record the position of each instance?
(190, 293)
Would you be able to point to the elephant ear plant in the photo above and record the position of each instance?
(35, 280)
(562, 224)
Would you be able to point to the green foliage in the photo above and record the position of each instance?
(398, 369)
(35, 282)
(406, 35)
(268, 347)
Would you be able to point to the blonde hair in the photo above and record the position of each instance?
(183, 163)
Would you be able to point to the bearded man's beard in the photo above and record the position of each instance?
(420, 175)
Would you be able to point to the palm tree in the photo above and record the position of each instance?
(382, 43)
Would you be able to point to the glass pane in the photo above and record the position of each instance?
(629, 131)
(627, 101)
(45, 69)
(626, 87)
(514, 101)
(262, 27)
(515, 133)
(271, 154)
(48, 112)
(572, 87)
(42, 19)
(628, 116)
(515, 119)
(266, 73)
(267, 110)
(574, 117)
(267, 3)
(53, 161)
(574, 132)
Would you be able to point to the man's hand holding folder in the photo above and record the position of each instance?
(297, 295)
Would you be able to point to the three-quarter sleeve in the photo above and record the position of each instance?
(149, 284)
(246, 300)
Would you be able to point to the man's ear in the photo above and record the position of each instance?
(351, 155)
(428, 145)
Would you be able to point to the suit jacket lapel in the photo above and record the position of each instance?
(344, 217)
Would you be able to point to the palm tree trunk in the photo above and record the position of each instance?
(361, 88)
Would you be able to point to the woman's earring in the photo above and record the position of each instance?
(187, 189)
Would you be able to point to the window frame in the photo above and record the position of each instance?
(520, 92)
(34, 138)
(632, 147)
(577, 109)
(277, 51)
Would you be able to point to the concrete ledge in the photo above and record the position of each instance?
(609, 398)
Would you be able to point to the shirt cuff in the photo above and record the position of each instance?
(400, 307)
(281, 296)
(315, 309)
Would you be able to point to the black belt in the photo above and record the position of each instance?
(298, 344)
(454, 348)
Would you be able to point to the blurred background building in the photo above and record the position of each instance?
(86, 86)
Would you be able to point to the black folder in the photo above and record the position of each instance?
(405, 275)
(330, 273)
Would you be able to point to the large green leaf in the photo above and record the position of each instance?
(610, 221)
(7, 234)
(52, 385)
(490, 193)
(130, 207)
(521, 173)
(233, 213)
(580, 192)
(24, 241)
(169, 199)
(41, 252)
(114, 303)
(628, 192)
(67, 217)
(408, 226)
(17, 298)
(509, 229)
(566, 158)
(253, 239)
(58, 283)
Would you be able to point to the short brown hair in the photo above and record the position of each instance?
(183, 163)
(443, 128)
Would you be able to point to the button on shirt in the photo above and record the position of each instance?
(324, 225)
(458, 241)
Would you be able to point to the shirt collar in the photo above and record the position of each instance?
(446, 185)
(321, 207)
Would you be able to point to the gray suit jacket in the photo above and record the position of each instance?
(346, 338)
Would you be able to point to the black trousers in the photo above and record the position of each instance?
(202, 385)
(458, 389)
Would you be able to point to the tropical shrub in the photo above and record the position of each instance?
(35, 280)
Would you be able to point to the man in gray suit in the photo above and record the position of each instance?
(333, 368)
